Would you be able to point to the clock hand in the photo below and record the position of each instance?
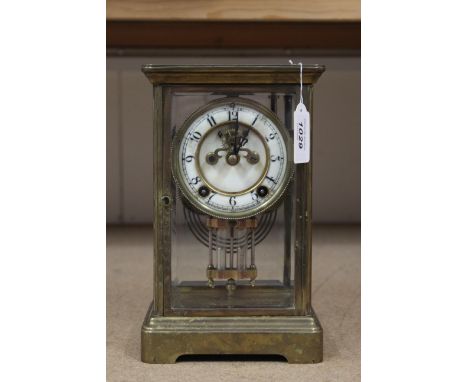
(244, 139)
(236, 138)
(232, 143)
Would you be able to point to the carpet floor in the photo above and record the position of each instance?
(336, 292)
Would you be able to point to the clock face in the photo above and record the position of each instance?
(231, 158)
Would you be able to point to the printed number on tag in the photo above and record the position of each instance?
(301, 134)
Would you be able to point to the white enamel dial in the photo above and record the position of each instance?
(231, 159)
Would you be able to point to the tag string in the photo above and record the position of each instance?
(300, 64)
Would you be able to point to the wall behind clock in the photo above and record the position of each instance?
(336, 139)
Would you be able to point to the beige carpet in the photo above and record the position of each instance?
(335, 298)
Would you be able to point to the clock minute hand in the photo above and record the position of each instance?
(236, 138)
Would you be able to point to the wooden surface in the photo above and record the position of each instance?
(232, 35)
(239, 10)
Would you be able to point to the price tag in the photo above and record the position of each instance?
(301, 128)
(301, 134)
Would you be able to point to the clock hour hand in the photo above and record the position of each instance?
(244, 136)
(241, 140)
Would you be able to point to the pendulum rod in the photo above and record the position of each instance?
(215, 245)
(231, 249)
(210, 247)
(252, 247)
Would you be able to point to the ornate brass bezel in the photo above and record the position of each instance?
(187, 193)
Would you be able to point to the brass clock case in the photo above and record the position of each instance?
(193, 200)
(188, 315)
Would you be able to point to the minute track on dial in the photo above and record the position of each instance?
(231, 158)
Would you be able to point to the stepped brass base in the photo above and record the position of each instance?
(299, 339)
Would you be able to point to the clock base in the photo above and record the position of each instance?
(298, 338)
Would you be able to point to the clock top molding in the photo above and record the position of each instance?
(232, 74)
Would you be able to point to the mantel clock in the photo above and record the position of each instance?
(232, 215)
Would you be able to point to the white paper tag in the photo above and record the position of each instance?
(301, 134)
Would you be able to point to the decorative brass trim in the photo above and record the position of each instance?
(238, 224)
(235, 274)
(231, 74)
(187, 193)
(298, 339)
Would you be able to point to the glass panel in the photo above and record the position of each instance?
(213, 262)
